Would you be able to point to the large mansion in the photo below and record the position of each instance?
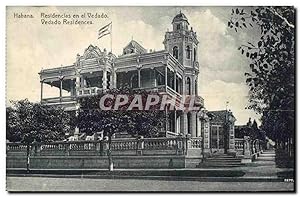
(173, 71)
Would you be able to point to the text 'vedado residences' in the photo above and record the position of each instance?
(70, 19)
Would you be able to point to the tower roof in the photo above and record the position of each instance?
(180, 17)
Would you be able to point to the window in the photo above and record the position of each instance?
(134, 81)
(195, 55)
(160, 80)
(188, 52)
(177, 26)
(188, 82)
(175, 52)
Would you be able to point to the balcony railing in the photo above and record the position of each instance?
(58, 99)
(173, 93)
(88, 91)
(159, 88)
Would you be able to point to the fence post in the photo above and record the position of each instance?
(67, 148)
(37, 149)
(179, 141)
(98, 147)
(255, 152)
(187, 140)
(140, 145)
(246, 151)
(105, 146)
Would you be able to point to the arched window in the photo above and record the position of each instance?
(188, 83)
(160, 79)
(188, 52)
(134, 81)
(195, 54)
(175, 52)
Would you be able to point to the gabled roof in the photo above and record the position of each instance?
(134, 44)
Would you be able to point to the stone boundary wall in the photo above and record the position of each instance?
(101, 162)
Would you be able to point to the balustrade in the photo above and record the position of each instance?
(15, 147)
(124, 144)
(239, 144)
(101, 147)
(172, 145)
(195, 143)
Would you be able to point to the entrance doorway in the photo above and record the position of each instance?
(217, 138)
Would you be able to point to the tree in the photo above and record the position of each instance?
(135, 122)
(32, 122)
(92, 119)
(28, 122)
(272, 78)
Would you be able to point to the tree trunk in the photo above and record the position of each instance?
(110, 161)
(27, 156)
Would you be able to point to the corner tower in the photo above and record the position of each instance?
(182, 43)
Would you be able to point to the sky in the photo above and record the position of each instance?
(32, 46)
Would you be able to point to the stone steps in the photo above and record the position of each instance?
(266, 155)
(221, 160)
(224, 160)
(218, 165)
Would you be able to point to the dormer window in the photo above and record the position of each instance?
(177, 26)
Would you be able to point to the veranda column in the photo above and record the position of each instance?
(199, 134)
(193, 124)
(42, 90)
(231, 140)
(154, 78)
(166, 77)
(77, 85)
(139, 77)
(77, 88)
(183, 85)
(175, 81)
(206, 137)
(193, 85)
(76, 133)
(196, 86)
(60, 89)
(183, 123)
(104, 79)
(175, 122)
(114, 79)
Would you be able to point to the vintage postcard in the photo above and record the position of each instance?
(150, 99)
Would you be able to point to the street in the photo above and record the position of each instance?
(84, 184)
